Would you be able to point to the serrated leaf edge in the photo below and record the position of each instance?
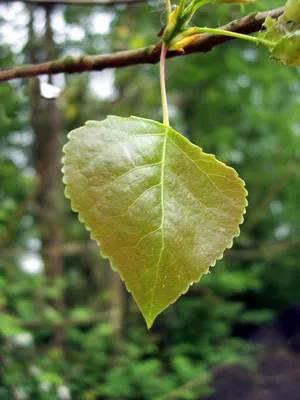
(149, 322)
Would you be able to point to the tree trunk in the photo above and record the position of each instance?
(46, 156)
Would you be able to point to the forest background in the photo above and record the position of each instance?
(68, 328)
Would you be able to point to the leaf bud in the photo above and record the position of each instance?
(171, 26)
(183, 39)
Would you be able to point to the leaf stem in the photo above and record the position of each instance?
(192, 8)
(168, 8)
(164, 50)
(181, 7)
(256, 40)
(200, 4)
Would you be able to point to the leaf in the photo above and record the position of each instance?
(161, 210)
(292, 11)
(287, 50)
(274, 30)
(285, 38)
(10, 325)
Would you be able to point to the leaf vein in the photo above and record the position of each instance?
(162, 177)
(205, 173)
(131, 205)
(108, 186)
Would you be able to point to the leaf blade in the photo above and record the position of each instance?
(166, 226)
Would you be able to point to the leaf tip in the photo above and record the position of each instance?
(149, 320)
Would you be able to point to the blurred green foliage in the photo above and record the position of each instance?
(233, 102)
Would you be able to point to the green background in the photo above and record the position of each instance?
(69, 328)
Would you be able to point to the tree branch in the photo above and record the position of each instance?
(66, 323)
(145, 55)
(267, 250)
(80, 2)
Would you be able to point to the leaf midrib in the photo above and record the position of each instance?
(162, 200)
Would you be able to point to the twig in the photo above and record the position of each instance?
(146, 55)
(268, 250)
(192, 384)
(265, 250)
(80, 2)
(65, 323)
(68, 249)
(259, 380)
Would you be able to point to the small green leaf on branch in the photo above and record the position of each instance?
(287, 50)
(285, 34)
(171, 26)
(292, 11)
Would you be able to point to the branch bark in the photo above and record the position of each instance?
(145, 55)
(80, 2)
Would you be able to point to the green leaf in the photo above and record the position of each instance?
(274, 30)
(10, 325)
(287, 50)
(161, 210)
(292, 11)
(286, 47)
